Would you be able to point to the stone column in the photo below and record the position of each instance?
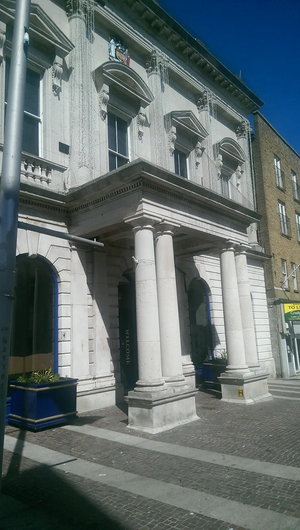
(232, 314)
(148, 339)
(168, 307)
(246, 308)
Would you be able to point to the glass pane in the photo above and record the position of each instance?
(32, 92)
(112, 161)
(182, 162)
(122, 136)
(176, 161)
(112, 132)
(30, 141)
(121, 161)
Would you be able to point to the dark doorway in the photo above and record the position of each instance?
(127, 332)
(200, 325)
(34, 316)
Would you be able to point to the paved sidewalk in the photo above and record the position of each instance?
(235, 468)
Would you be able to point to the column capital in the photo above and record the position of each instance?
(228, 245)
(141, 220)
(165, 227)
(242, 249)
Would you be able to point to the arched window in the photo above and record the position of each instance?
(123, 97)
(230, 159)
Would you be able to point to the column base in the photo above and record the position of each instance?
(154, 412)
(189, 373)
(245, 389)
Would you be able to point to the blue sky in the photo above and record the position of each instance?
(260, 38)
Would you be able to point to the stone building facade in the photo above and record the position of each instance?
(137, 137)
(277, 171)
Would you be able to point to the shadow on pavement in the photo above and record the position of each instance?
(51, 500)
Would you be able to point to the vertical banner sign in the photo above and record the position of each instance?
(291, 312)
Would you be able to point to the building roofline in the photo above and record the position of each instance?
(200, 48)
(276, 132)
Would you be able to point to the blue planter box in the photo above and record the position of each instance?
(8, 407)
(211, 372)
(37, 406)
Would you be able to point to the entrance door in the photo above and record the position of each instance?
(200, 326)
(127, 332)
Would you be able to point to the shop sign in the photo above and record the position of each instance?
(291, 312)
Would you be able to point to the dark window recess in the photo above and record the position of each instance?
(30, 140)
(117, 142)
(180, 163)
(63, 148)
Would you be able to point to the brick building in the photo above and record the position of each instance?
(277, 173)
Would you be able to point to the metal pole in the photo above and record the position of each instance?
(9, 199)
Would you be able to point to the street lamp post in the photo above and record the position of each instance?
(9, 198)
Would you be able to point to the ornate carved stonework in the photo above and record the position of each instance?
(79, 7)
(172, 139)
(239, 172)
(204, 100)
(103, 101)
(2, 42)
(199, 152)
(243, 129)
(141, 122)
(57, 71)
(219, 165)
(158, 63)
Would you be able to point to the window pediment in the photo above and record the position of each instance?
(187, 121)
(230, 148)
(42, 29)
(124, 78)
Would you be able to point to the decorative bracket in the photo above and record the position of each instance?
(243, 129)
(199, 150)
(103, 101)
(141, 122)
(219, 165)
(57, 72)
(172, 139)
(2, 40)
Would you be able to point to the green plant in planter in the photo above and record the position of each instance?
(41, 376)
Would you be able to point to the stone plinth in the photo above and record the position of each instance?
(155, 412)
(244, 388)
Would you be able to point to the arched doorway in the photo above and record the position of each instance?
(127, 332)
(200, 324)
(34, 330)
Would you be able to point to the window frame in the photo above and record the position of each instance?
(279, 175)
(295, 185)
(283, 219)
(37, 118)
(297, 215)
(285, 282)
(116, 153)
(294, 276)
(179, 151)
